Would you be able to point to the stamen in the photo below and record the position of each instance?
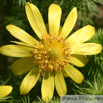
(52, 52)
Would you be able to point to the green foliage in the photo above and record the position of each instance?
(7, 99)
(91, 88)
(87, 11)
(55, 100)
(21, 2)
(95, 63)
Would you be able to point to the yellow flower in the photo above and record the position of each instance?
(5, 90)
(54, 54)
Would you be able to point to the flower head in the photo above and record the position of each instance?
(52, 52)
(5, 90)
(53, 55)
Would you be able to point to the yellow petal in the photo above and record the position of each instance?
(73, 73)
(87, 49)
(5, 90)
(23, 65)
(81, 35)
(78, 60)
(60, 83)
(47, 27)
(30, 80)
(21, 43)
(69, 23)
(16, 51)
(35, 19)
(60, 29)
(65, 74)
(54, 18)
(47, 88)
(21, 35)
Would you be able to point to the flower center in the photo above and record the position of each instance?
(52, 52)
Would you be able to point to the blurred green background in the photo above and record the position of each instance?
(90, 12)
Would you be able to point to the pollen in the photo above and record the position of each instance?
(52, 52)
